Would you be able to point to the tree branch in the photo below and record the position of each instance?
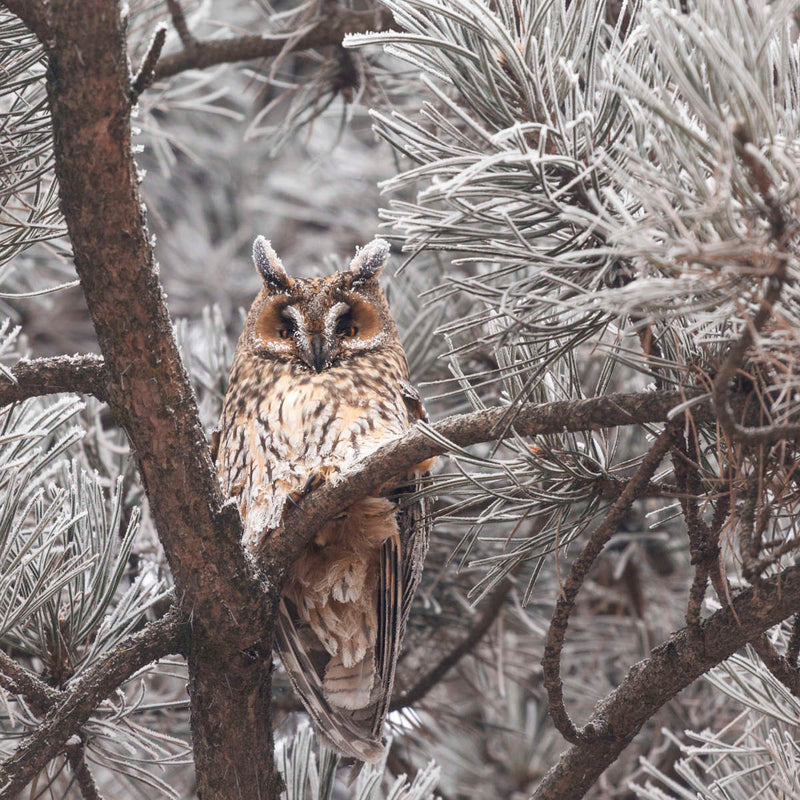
(330, 30)
(703, 540)
(283, 546)
(551, 662)
(670, 667)
(421, 688)
(76, 756)
(232, 610)
(80, 374)
(75, 705)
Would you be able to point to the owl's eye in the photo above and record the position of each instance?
(346, 327)
(286, 330)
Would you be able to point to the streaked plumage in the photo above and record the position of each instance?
(319, 381)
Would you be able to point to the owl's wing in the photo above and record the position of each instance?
(401, 570)
(358, 733)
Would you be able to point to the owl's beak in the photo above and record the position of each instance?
(319, 353)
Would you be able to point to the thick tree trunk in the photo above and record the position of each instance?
(231, 696)
(229, 613)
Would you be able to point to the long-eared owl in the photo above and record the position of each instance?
(319, 381)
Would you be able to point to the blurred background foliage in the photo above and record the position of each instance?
(556, 176)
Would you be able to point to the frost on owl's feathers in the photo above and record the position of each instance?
(269, 266)
(369, 260)
(319, 381)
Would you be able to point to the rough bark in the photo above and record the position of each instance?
(89, 86)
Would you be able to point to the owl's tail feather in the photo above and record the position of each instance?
(349, 687)
(337, 727)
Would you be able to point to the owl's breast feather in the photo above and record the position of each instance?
(317, 427)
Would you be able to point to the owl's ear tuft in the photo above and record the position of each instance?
(269, 266)
(369, 260)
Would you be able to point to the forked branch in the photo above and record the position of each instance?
(74, 706)
(670, 667)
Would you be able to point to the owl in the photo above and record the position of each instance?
(318, 382)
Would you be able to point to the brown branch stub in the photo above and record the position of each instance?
(147, 71)
(332, 28)
(421, 688)
(551, 661)
(81, 374)
(74, 705)
(670, 667)
(781, 668)
(76, 757)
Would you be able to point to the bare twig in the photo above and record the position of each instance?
(179, 21)
(670, 667)
(74, 705)
(551, 662)
(34, 14)
(332, 28)
(421, 688)
(147, 72)
(793, 648)
(752, 571)
(81, 374)
(611, 488)
(703, 540)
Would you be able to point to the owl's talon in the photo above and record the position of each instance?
(290, 498)
(312, 483)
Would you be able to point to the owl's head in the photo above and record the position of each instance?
(318, 323)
